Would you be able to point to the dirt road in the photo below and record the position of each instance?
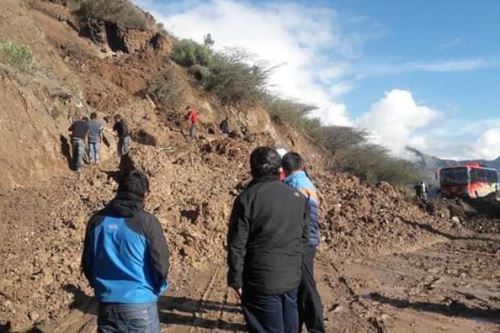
(452, 285)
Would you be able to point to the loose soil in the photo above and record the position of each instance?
(387, 263)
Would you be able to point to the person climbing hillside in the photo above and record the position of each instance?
(79, 131)
(192, 117)
(94, 138)
(268, 231)
(309, 300)
(126, 260)
(224, 126)
(123, 134)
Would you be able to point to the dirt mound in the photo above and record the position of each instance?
(360, 218)
(479, 214)
(193, 184)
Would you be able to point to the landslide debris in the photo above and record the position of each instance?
(193, 183)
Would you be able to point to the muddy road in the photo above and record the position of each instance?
(450, 285)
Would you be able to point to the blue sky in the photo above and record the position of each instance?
(441, 31)
(419, 73)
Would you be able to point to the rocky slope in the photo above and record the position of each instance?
(44, 206)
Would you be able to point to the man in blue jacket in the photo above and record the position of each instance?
(126, 260)
(309, 301)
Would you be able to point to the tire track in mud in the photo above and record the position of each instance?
(208, 291)
(355, 299)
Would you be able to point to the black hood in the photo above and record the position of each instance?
(125, 204)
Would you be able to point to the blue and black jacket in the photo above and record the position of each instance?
(125, 255)
(300, 181)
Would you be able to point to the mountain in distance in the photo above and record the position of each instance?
(430, 164)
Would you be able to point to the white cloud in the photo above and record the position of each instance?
(487, 146)
(341, 88)
(455, 65)
(305, 41)
(395, 119)
(452, 65)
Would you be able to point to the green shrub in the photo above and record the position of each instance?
(122, 12)
(374, 164)
(348, 145)
(188, 53)
(233, 80)
(337, 138)
(164, 90)
(228, 75)
(296, 115)
(15, 55)
(201, 73)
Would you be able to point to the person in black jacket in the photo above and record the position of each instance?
(79, 133)
(268, 232)
(121, 129)
(224, 126)
(126, 260)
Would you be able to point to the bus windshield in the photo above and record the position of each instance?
(454, 176)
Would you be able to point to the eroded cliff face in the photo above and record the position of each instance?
(79, 68)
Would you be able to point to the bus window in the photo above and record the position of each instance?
(454, 176)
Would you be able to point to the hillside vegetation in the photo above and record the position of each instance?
(237, 78)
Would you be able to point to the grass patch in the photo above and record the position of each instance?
(17, 56)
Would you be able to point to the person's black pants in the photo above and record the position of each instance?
(309, 301)
(271, 313)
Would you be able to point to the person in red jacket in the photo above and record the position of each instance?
(192, 117)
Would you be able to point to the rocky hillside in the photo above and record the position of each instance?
(44, 206)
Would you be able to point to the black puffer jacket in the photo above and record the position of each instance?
(267, 234)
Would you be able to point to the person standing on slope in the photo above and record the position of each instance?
(79, 132)
(126, 260)
(224, 126)
(268, 231)
(95, 138)
(123, 134)
(192, 117)
(309, 300)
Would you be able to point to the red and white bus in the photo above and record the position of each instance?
(471, 180)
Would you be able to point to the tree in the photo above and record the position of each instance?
(208, 41)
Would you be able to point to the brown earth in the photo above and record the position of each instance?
(386, 263)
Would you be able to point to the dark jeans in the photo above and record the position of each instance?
(271, 313)
(130, 318)
(78, 146)
(309, 301)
